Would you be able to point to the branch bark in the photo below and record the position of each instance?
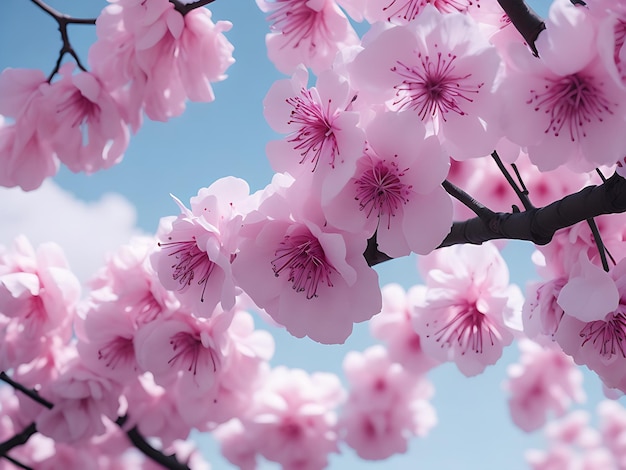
(537, 225)
(525, 20)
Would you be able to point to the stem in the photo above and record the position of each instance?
(183, 8)
(18, 439)
(17, 463)
(525, 20)
(63, 20)
(599, 243)
(476, 207)
(522, 193)
(30, 393)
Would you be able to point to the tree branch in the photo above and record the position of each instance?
(18, 439)
(184, 8)
(168, 461)
(63, 20)
(525, 20)
(537, 225)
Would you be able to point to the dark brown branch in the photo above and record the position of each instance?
(18, 439)
(522, 193)
(63, 21)
(30, 393)
(537, 225)
(525, 20)
(476, 207)
(186, 8)
(168, 461)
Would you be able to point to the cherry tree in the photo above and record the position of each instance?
(442, 128)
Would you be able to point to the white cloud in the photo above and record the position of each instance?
(85, 230)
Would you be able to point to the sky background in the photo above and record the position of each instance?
(90, 215)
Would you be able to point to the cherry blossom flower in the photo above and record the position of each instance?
(401, 11)
(151, 64)
(396, 187)
(595, 334)
(183, 347)
(323, 139)
(470, 312)
(544, 380)
(27, 155)
(564, 107)
(85, 123)
(81, 401)
(440, 69)
(310, 32)
(386, 405)
(38, 299)
(308, 277)
(393, 325)
(291, 420)
(194, 259)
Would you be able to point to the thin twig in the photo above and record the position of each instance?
(17, 463)
(63, 21)
(30, 393)
(522, 193)
(185, 8)
(476, 207)
(599, 243)
(525, 20)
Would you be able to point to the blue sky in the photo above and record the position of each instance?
(227, 137)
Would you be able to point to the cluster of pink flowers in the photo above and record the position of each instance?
(164, 336)
(83, 118)
(574, 443)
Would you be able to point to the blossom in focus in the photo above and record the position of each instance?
(564, 107)
(395, 189)
(195, 249)
(441, 70)
(323, 140)
(308, 276)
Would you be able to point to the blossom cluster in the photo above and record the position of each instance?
(369, 147)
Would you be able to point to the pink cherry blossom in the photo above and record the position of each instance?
(564, 107)
(470, 311)
(393, 325)
(84, 122)
(151, 64)
(597, 337)
(81, 401)
(291, 420)
(194, 259)
(397, 185)
(441, 70)
(323, 139)
(545, 380)
(184, 348)
(308, 277)
(310, 32)
(27, 156)
(401, 11)
(386, 406)
(38, 299)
